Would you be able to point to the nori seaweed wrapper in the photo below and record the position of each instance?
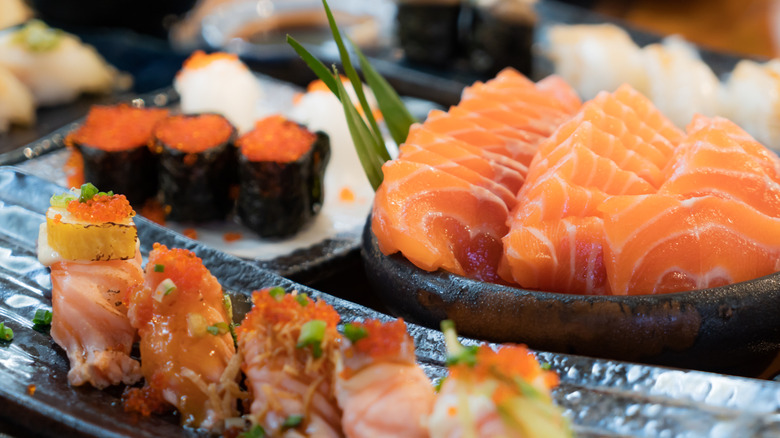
(496, 41)
(131, 172)
(428, 32)
(196, 186)
(278, 199)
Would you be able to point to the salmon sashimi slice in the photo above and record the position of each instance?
(522, 118)
(381, 389)
(499, 168)
(717, 159)
(561, 91)
(89, 320)
(643, 118)
(495, 126)
(531, 101)
(466, 129)
(187, 351)
(289, 365)
(438, 220)
(663, 243)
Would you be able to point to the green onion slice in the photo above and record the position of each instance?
(219, 328)
(256, 431)
(301, 299)
(159, 268)
(6, 334)
(294, 420)
(42, 317)
(312, 334)
(354, 332)
(276, 292)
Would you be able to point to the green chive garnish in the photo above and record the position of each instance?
(256, 431)
(457, 353)
(228, 306)
(61, 200)
(301, 299)
(546, 366)
(88, 191)
(277, 293)
(354, 332)
(42, 317)
(6, 334)
(219, 328)
(312, 333)
(159, 268)
(292, 421)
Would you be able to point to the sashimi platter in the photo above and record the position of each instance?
(569, 254)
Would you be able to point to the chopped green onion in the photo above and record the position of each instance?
(228, 306)
(546, 366)
(42, 317)
(301, 299)
(439, 384)
(256, 431)
(277, 293)
(88, 191)
(159, 268)
(6, 334)
(457, 353)
(166, 287)
(61, 200)
(354, 332)
(312, 333)
(219, 328)
(294, 420)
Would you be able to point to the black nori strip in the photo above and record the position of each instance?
(195, 187)
(131, 172)
(278, 199)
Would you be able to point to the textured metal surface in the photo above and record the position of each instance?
(603, 398)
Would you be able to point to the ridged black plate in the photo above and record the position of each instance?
(732, 329)
(601, 397)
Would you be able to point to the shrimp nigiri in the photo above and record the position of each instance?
(186, 346)
(90, 243)
(495, 393)
(289, 345)
(380, 388)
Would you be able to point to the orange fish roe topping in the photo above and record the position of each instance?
(276, 139)
(509, 360)
(102, 208)
(346, 195)
(271, 311)
(200, 59)
(181, 266)
(193, 134)
(74, 168)
(117, 128)
(382, 339)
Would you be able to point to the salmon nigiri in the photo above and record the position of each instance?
(492, 393)
(289, 345)
(186, 346)
(90, 243)
(381, 389)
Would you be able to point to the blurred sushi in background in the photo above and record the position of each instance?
(219, 83)
(13, 12)
(197, 166)
(113, 146)
(17, 105)
(281, 171)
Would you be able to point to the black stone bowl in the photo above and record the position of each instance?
(732, 329)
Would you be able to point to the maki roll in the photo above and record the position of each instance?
(113, 145)
(197, 166)
(281, 169)
(428, 30)
(501, 35)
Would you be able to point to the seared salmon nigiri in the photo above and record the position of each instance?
(493, 393)
(289, 345)
(380, 387)
(186, 346)
(90, 243)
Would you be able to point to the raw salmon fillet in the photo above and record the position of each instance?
(445, 200)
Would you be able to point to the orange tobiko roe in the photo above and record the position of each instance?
(193, 134)
(382, 339)
(117, 128)
(509, 360)
(200, 59)
(276, 139)
(181, 266)
(268, 311)
(101, 208)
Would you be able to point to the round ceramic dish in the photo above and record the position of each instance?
(733, 329)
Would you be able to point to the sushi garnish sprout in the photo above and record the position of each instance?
(6, 333)
(37, 36)
(84, 194)
(294, 420)
(354, 332)
(228, 306)
(312, 334)
(256, 431)
(42, 318)
(457, 353)
(219, 328)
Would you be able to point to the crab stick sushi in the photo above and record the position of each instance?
(281, 170)
(197, 166)
(90, 243)
(380, 388)
(184, 323)
(289, 345)
(113, 146)
(489, 392)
